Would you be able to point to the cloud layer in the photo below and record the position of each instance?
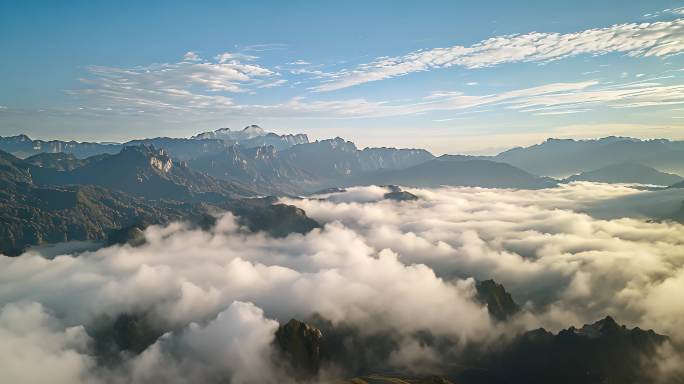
(645, 39)
(544, 245)
(380, 266)
(189, 85)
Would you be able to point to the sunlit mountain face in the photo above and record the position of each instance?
(352, 192)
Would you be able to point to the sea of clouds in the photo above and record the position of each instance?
(569, 255)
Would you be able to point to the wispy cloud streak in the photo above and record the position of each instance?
(644, 39)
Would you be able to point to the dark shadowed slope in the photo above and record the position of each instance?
(146, 172)
(42, 205)
(602, 352)
(500, 303)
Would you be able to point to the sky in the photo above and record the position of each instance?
(449, 76)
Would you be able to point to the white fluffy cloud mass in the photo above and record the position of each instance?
(378, 264)
(567, 264)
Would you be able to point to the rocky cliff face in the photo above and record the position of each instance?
(253, 136)
(160, 161)
(500, 303)
(302, 347)
(261, 167)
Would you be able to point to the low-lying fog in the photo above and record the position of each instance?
(568, 256)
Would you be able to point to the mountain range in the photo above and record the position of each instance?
(108, 193)
(160, 179)
(564, 157)
(283, 164)
(456, 171)
(627, 173)
(52, 200)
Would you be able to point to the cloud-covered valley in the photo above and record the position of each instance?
(216, 296)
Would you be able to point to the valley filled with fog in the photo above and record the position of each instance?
(207, 302)
(350, 192)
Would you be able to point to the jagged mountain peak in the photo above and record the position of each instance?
(601, 327)
(339, 143)
(301, 328)
(253, 136)
(500, 303)
(247, 132)
(18, 138)
(253, 130)
(302, 346)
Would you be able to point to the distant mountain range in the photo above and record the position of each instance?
(564, 157)
(23, 146)
(254, 136)
(161, 179)
(267, 162)
(627, 173)
(180, 148)
(56, 191)
(270, 163)
(456, 171)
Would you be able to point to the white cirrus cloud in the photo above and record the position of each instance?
(634, 39)
(191, 84)
(547, 99)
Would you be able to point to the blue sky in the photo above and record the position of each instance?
(450, 76)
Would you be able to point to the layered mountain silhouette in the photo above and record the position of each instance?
(254, 136)
(23, 146)
(223, 166)
(143, 171)
(627, 173)
(456, 171)
(51, 199)
(259, 167)
(302, 168)
(564, 157)
(336, 158)
(180, 148)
